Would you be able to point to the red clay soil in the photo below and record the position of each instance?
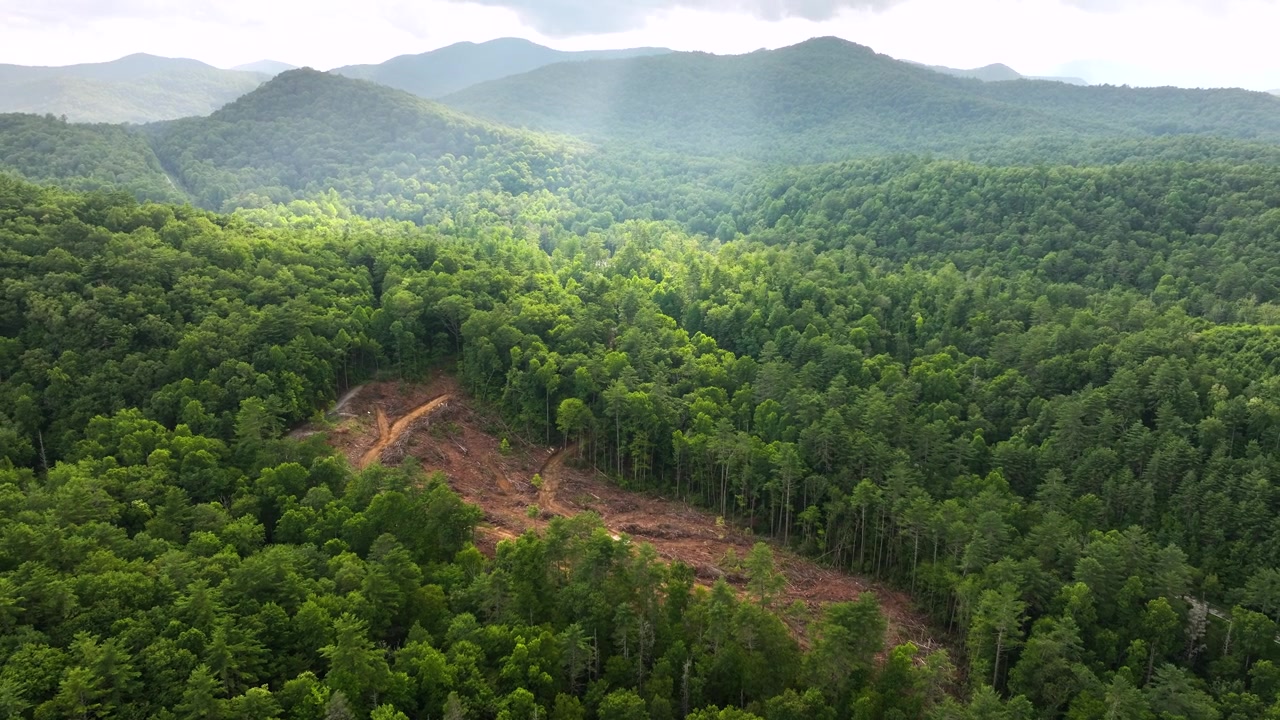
(437, 426)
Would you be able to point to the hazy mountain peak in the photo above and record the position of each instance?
(136, 88)
(828, 98)
(449, 69)
(266, 67)
(995, 72)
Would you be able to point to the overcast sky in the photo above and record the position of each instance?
(1140, 42)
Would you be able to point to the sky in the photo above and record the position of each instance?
(1191, 43)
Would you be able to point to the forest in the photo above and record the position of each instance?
(1038, 391)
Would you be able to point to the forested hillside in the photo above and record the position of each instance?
(83, 157)
(1038, 392)
(307, 133)
(176, 559)
(1039, 399)
(135, 89)
(829, 99)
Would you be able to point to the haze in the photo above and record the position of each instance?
(1190, 43)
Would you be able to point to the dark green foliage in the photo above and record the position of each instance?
(169, 557)
(200, 320)
(83, 157)
(1042, 400)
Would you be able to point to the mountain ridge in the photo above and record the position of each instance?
(997, 72)
(307, 132)
(440, 72)
(829, 99)
(136, 88)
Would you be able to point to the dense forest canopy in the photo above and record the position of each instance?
(1039, 391)
(83, 157)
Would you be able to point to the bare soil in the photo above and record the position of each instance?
(437, 426)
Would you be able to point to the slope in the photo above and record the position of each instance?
(438, 425)
(1158, 111)
(136, 89)
(828, 98)
(306, 133)
(449, 69)
(83, 157)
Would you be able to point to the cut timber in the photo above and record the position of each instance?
(469, 454)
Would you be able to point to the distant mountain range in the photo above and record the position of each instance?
(997, 72)
(828, 98)
(135, 89)
(306, 133)
(453, 68)
(266, 67)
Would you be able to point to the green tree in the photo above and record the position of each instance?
(763, 580)
(996, 628)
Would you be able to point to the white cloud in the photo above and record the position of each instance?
(577, 17)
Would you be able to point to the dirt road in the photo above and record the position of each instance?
(389, 435)
(552, 471)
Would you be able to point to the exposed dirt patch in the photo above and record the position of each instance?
(389, 436)
(436, 425)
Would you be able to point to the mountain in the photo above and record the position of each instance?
(83, 157)
(997, 72)
(1274, 92)
(136, 89)
(449, 69)
(265, 67)
(829, 99)
(305, 133)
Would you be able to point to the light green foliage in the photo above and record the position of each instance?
(763, 579)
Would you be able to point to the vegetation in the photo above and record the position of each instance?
(176, 559)
(306, 134)
(828, 99)
(82, 157)
(1043, 399)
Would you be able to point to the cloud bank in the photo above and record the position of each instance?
(560, 18)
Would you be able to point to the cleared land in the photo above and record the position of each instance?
(437, 426)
